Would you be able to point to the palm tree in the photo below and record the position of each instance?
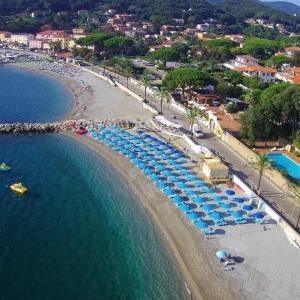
(145, 81)
(192, 114)
(262, 164)
(128, 72)
(163, 94)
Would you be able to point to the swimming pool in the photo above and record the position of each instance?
(283, 162)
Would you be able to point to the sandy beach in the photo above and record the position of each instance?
(268, 262)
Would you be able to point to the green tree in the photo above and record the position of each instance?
(128, 71)
(163, 94)
(262, 164)
(192, 115)
(165, 55)
(252, 96)
(186, 77)
(145, 81)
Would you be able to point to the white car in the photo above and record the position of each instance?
(197, 132)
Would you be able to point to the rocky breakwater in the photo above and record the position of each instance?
(31, 128)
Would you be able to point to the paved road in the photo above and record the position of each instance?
(271, 193)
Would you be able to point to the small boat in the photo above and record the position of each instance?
(4, 167)
(19, 188)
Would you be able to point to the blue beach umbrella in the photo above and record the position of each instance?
(192, 178)
(184, 207)
(208, 190)
(149, 172)
(169, 192)
(259, 215)
(199, 200)
(237, 214)
(160, 184)
(182, 185)
(178, 167)
(226, 206)
(160, 168)
(193, 216)
(167, 173)
(222, 254)
(248, 207)
(190, 192)
(186, 173)
(216, 216)
(154, 177)
(230, 192)
(174, 179)
(217, 199)
(239, 200)
(208, 207)
(201, 224)
(177, 200)
(199, 184)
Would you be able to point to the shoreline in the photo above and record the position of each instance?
(183, 243)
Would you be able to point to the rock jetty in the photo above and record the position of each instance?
(22, 128)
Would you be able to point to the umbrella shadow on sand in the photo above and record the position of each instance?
(238, 259)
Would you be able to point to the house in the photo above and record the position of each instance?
(204, 99)
(168, 29)
(54, 36)
(21, 38)
(5, 36)
(203, 27)
(206, 36)
(267, 75)
(241, 61)
(291, 51)
(39, 44)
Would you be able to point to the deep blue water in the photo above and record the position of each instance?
(79, 233)
(31, 97)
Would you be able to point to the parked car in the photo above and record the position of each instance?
(197, 132)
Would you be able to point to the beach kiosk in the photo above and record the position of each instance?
(215, 170)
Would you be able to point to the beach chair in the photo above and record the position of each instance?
(222, 223)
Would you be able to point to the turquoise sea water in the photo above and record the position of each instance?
(79, 233)
(31, 97)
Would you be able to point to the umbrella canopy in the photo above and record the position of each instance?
(216, 216)
(259, 216)
(217, 199)
(239, 200)
(182, 185)
(149, 172)
(167, 173)
(154, 177)
(190, 192)
(199, 200)
(160, 168)
(193, 216)
(183, 207)
(169, 192)
(160, 184)
(201, 224)
(192, 178)
(208, 207)
(226, 205)
(199, 184)
(237, 214)
(178, 167)
(174, 179)
(222, 254)
(177, 200)
(186, 173)
(248, 207)
(208, 191)
(230, 192)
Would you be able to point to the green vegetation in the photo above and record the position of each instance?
(263, 163)
(186, 77)
(278, 60)
(165, 54)
(272, 113)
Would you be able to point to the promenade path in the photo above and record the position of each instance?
(277, 197)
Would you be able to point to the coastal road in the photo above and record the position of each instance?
(270, 192)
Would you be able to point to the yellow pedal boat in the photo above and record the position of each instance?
(19, 188)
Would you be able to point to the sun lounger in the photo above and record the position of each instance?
(240, 221)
